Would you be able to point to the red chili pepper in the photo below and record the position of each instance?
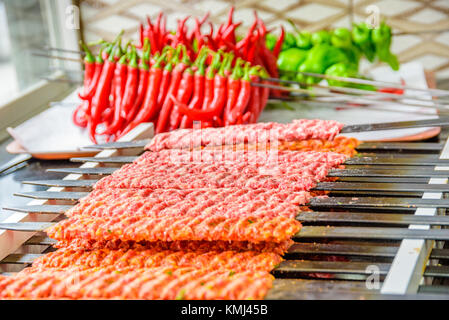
(209, 82)
(195, 114)
(198, 90)
(219, 96)
(278, 46)
(184, 93)
(165, 82)
(265, 92)
(181, 30)
(254, 101)
(173, 88)
(141, 36)
(228, 64)
(230, 14)
(243, 97)
(149, 34)
(143, 86)
(131, 85)
(81, 119)
(254, 48)
(216, 104)
(100, 100)
(89, 72)
(242, 44)
(89, 93)
(89, 66)
(229, 33)
(119, 90)
(157, 30)
(233, 90)
(141, 91)
(149, 107)
(204, 18)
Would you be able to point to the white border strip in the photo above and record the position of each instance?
(406, 271)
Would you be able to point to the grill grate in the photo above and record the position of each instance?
(359, 250)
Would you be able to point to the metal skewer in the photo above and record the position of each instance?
(45, 55)
(348, 97)
(48, 48)
(365, 92)
(383, 84)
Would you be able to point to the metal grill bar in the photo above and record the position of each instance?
(52, 195)
(92, 171)
(405, 273)
(120, 159)
(59, 209)
(62, 183)
(292, 267)
(389, 173)
(373, 218)
(400, 146)
(313, 232)
(341, 249)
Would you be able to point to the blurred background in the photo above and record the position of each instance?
(421, 27)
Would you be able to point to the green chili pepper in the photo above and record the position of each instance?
(320, 37)
(289, 60)
(289, 41)
(340, 69)
(353, 53)
(341, 38)
(304, 40)
(361, 36)
(319, 58)
(381, 38)
(345, 70)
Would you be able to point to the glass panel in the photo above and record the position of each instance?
(23, 27)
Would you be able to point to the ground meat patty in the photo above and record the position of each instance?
(251, 133)
(141, 258)
(173, 228)
(153, 283)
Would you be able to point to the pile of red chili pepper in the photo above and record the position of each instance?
(252, 47)
(124, 87)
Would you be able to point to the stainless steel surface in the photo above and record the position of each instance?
(15, 161)
(119, 145)
(26, 226)
(62, 183)
(39, 208)
(92, 171)
(119, 159)
(52, 195)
